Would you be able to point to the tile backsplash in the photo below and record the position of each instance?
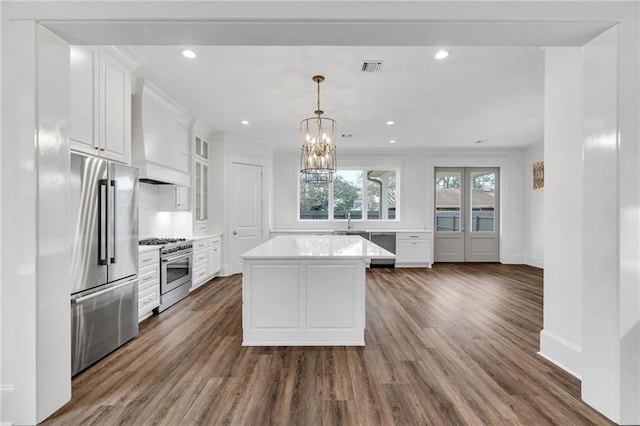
(155, 223)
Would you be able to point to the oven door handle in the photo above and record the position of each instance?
(171, 259)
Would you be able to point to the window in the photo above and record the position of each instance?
(351, 191)
(381, 194)
(347, 194)
(314, 200)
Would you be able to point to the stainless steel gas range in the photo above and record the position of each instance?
(176, 265)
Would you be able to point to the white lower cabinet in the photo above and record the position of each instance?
(148, 283)
(206, 259)
(413, 249)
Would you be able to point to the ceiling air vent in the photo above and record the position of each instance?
(372, 66)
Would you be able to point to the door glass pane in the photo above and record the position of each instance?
(314, 200)
(205, 191)
(198, 192)
(205, 149)
(483, 201)
(347, 194)
(448, 201)
(198, 146)
(381, 194)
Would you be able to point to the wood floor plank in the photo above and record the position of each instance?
(455, 344)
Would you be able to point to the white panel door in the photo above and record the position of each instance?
(245, 211)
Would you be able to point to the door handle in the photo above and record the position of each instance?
(235, 232)
(103, 242)
(113, 215)
(107, 290)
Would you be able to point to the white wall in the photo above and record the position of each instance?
(416, 195)
(611, 291)
(561, 338)
(533, 211)
(36, 372)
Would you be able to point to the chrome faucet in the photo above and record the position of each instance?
(348, 220)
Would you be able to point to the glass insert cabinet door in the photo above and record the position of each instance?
(466, 214)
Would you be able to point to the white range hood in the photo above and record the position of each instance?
(160, 136)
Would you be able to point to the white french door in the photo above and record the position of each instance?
(467, 227)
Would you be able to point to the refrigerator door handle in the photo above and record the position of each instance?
(106, 290)
(113, 221)
(103, 243)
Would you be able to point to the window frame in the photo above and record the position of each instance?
(365, 197)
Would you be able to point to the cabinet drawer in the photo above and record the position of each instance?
(149, 280)
(200, 259)
(412, 235)
(200, 274)
(148, 259)
(148, 299)
(200, 244)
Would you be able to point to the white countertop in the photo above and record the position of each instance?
(325, 246)
(330, 231)
(203, 236)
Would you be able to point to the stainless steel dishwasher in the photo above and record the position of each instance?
(386, 240)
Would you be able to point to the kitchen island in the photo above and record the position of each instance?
(306, 290)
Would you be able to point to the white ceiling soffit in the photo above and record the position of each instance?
(336, 33)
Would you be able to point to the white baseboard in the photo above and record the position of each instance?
(561, 352)
(512, 260)
(538, 262)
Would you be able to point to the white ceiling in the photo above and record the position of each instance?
(256, 63)
(478, 93)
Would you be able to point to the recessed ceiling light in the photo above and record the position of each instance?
(245, 122)
(392, 141)
(188, 53)
(390, 123)
(442, 53)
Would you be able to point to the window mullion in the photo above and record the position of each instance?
(365, 195)
(330, 213)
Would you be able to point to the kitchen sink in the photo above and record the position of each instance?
(362, 234)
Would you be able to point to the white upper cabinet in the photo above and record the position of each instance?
(100, 104)
(201, 158)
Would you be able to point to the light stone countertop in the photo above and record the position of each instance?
(314, 246)
(203, 236)
(330, 231)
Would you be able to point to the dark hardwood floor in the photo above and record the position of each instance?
(455, 344)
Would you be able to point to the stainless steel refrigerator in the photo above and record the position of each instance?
(104, 266)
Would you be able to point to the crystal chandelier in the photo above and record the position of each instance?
(318, 158)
